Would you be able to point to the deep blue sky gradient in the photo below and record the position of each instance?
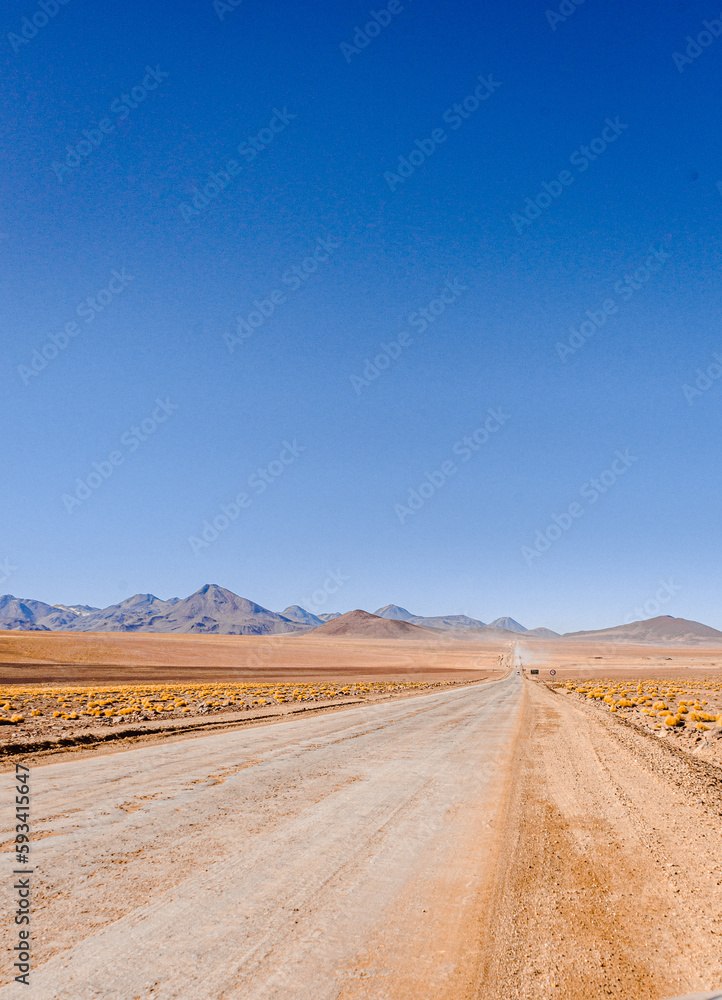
(333, 508)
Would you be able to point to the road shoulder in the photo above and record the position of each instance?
(610, 884)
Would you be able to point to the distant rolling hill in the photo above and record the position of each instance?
(361, 624)
(662, 630)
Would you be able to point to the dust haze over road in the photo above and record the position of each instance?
(523, 656)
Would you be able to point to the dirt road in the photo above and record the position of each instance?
(336, 856)
(485, 842)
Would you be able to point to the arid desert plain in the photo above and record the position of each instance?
(359, 818)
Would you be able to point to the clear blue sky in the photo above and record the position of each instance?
(316, 133)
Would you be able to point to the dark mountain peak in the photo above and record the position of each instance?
(139, 600)
(23, 607)
(395, 613)
(508, 623)
(212, 596)
(295, 613)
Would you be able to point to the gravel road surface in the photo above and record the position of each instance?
(340, 856)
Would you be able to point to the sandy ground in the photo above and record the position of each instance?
(694, 706)
(113, 657)
(486, 841)
(571, 659)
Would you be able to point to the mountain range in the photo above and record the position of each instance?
(447, 621)
(213, 610)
